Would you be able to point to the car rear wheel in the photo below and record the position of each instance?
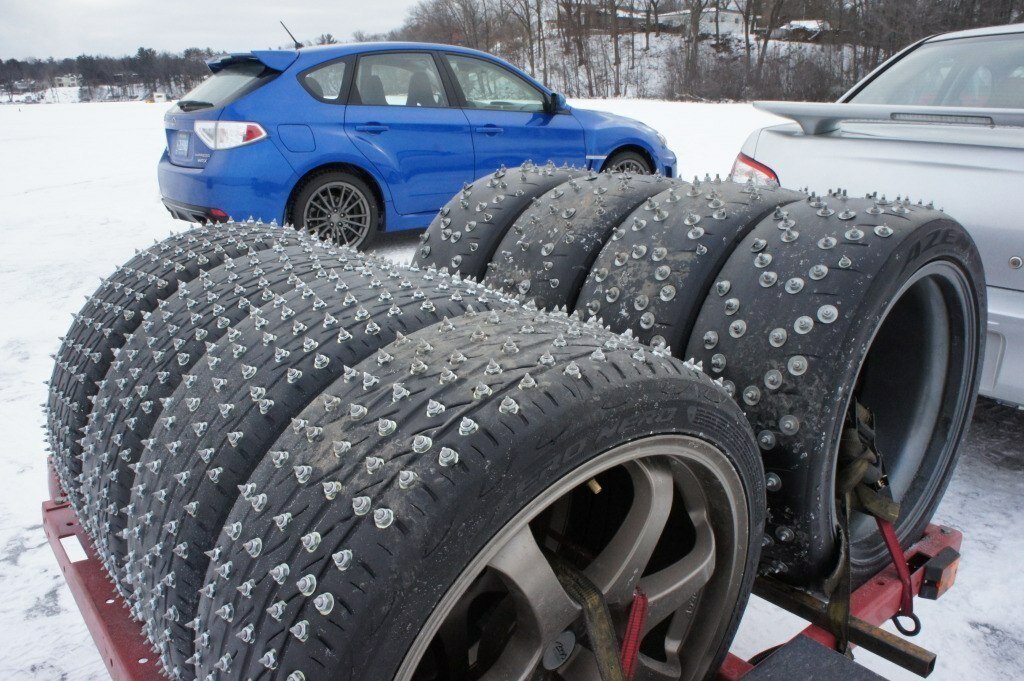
(629, 162)
(337, 207)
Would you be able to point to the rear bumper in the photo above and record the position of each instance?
(252, 181)
(1003, 372)
(191, 213)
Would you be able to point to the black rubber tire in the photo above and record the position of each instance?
(613, 162)
(549, 250)
(124, 302)
(151, 365)
(654, 273)
(315, 183)
(181, 506)
(796, 386)
(467, 231)
(395, 575)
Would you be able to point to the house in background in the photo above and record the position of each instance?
(68, 80)
(723, 21)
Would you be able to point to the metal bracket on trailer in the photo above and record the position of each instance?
(933, 562)
(117, 636)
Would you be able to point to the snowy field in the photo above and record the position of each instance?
(78, 193)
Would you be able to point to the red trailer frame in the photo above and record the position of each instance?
(129, 657)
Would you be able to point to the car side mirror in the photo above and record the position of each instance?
(555, 103)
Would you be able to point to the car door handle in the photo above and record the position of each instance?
(490, 129)
(375, 128)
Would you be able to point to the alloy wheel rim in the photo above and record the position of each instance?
(923, 443)
(338, 212)
(631, 166)
(672, 477)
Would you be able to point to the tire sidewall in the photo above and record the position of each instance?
(527, 468)
(938, 240)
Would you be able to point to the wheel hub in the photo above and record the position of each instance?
(559, 650)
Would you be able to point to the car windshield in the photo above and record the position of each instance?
(985, 72)
(223, 85)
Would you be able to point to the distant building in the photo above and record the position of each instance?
(804, 30)
(68, 80)
(722, 21)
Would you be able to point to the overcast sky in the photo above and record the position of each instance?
(68, 28)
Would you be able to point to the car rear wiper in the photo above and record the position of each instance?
(193, 105)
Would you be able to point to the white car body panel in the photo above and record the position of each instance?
(974, 172)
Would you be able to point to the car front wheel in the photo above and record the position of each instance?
(339, 207)
(629, 162)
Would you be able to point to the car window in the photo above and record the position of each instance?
(324, 82)
(489, 86)
(224, 85)
(972, 72)
(399, 79)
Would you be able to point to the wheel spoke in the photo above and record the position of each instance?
(672, 588)
(619, 566)
(320, 204)
(543, 607)
(518, 662)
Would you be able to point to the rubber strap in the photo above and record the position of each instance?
(597, 618)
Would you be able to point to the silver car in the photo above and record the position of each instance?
(942, 121)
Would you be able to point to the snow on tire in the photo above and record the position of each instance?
(220, 423)
(549, 250)
(121, 304)
(834, 303)
(347, 543)
(654, 272)
(151, 365)
(467, 231)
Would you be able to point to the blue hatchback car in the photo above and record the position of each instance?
(351, 140)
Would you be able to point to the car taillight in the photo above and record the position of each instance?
(228, 134)
(746, 169)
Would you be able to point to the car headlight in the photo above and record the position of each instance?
(661, 138)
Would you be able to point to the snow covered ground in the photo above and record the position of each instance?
(78, 193)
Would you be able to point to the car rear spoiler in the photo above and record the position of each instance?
(819, 118)
(278, 60)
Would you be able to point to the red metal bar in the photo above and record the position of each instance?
(876, 601)
(117, 636)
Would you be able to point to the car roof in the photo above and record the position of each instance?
(319, 53)
(978, 32)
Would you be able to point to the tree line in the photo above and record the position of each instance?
(603, 48)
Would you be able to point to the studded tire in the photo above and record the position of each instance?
(211, 438)
(154, 361)
(869, 301)
(654, 273)
(465, 234)
(549, 250)
(362, 529)
(120, 305)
